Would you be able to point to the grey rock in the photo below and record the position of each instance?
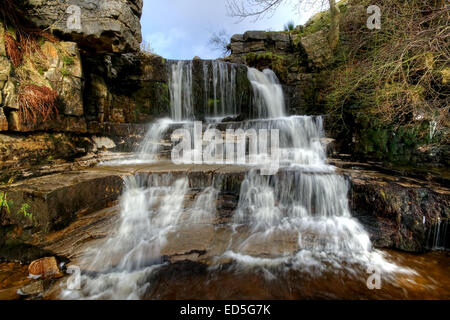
(279, 37)
(254, 46)
(255, 35)
(106, 25)
(237, 47)
(237, 38)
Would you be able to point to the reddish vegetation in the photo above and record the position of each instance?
(37, 103)
(12, 49)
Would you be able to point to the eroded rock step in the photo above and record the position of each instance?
(398, 212)
(52, 202)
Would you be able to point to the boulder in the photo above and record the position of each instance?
(237, 38)
(317, 49)
(96, 25)
(44, 268)
(103, 142)
(255, 35)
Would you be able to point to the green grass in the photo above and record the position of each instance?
(68, 61)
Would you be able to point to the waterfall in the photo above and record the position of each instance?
(151, 145)
(438, 238)
(150, 209)
(269, 98)
(180, 84)
(218, 102)
(296, 219)
(306, 201)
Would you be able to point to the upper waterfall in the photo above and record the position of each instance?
(268, 93)
(202, 88)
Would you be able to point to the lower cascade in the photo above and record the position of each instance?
(297, 219)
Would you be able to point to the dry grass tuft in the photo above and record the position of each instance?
(37, 103)
(12, 49)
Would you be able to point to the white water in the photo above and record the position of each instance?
(224, 89)
(437, 235)
(180, 83)
(268, 93)
(298, 219)
(150, 209)
(308, 201)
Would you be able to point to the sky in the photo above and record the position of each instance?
(181, 29)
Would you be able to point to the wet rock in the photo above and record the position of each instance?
(44, 268)
(60, 123)
(97, 26)
(32, 289)
(397, 212)
(22, 151)
(9, 294)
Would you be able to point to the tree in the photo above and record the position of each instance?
(219, 41)
(261, 8)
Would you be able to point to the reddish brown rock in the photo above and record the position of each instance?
(45, 268)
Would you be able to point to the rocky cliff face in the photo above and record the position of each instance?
(293, 58)
(98, 26)
(76, 71)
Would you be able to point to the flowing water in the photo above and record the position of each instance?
(295, 224)
(269, 97)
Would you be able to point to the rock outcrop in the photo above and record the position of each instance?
(317, 49)
(44, 268)
(284, 54)
(98, 26)
(126, 88)
(398, 211)
(8, 96)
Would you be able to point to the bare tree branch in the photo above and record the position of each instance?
(219, 41)
(260, 8)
